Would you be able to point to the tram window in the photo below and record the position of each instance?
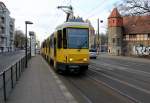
(64, 39)
(49, 46)
(54, 42)
(59, 39)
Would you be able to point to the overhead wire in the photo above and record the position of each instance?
(99, 7)
(96, 8)
(57, 15)
(81, 10)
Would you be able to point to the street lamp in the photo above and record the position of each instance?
(99, 41)
(26, 23)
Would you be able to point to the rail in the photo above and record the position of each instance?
(10, 76)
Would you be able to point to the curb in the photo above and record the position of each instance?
(63, 88)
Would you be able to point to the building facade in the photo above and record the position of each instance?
(128, 35)
(32, 43)
(6, 29)
(91, 37)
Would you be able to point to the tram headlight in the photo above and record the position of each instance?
(84, 59)
(70, 59)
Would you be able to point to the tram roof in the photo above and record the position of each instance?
(72, 24)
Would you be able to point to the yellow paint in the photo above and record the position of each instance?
(66, 55)
(72, 56)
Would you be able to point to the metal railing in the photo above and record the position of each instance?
(10, 76)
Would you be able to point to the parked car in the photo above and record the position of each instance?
(93, 53)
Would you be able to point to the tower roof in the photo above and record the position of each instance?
(115, 14)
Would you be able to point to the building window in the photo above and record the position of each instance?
(2, 30)
(11, 27)
(117, 21)
(132, 36)
(118, 41)
(4, 41)
(149, 35)
(113, 40)
(145, 36)
(124, 37)
(113, 21)
(3, 19)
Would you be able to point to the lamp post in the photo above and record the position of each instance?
(26, 23)
(99, 41)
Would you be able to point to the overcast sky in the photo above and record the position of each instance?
(45, 15)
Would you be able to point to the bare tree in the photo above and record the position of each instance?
(134, 7)
(104, 38)
(19, 40)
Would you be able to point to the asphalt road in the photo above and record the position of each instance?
(112, 80)
(7, 59)
(86, 90)
(129, 76)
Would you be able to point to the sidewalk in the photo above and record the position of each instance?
(39, 84)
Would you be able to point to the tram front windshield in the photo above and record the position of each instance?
(77, 38)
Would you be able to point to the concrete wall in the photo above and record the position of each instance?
(137, 48)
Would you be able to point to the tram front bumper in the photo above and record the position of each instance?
(71, 66)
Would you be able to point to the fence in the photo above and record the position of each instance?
(10, 76)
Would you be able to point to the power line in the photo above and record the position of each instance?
(102, 8)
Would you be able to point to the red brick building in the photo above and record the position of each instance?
(128, 35)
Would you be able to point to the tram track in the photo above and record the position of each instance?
(75, 89)
(93, 91)
(124, 88)
(132, 77)
(102, 83)
(109, 86)
(79, 90)
(123, 68)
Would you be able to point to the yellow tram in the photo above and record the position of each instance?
(67, 49)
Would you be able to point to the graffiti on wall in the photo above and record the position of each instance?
(141, 50)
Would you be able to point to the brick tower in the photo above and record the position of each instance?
(115, 24)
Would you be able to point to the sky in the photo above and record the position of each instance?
(45, 15)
